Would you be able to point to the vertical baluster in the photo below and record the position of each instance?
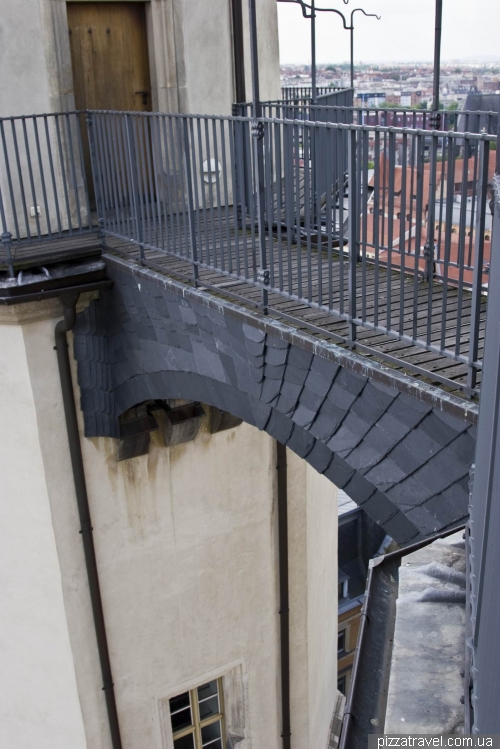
(353, 233)
(477, 287)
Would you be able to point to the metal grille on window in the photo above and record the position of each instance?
(197, 717)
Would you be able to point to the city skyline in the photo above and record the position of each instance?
(466, 36)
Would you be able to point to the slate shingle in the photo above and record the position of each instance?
(394, 453)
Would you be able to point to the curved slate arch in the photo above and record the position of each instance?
(405, 461)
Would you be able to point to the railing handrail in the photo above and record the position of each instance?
(173, 182)
(249, 119)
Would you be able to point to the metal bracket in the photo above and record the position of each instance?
(264, 276)
(435, 120)
(428, 250)
(257, 130)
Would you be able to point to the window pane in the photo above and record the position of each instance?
(210, 733)
(341, 685)
(181, 720)
(217, 744)
(341, 642)
(187, 742)
(207, 690)
(179, 702)
(209, 707)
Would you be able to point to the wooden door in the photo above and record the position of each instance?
(109, 55)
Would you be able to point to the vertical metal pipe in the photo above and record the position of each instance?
(477, 287)
(190, 202)
(69, 304)
(238, 51)
(353, 232)
(258, 144)
(313, 53)
(437, 62)
(284, 602)
(352, 51)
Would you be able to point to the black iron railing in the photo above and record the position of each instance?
(305, 92)
(43, 184)
(386, 229)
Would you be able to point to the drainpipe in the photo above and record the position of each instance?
(69, 301)
(284, 602)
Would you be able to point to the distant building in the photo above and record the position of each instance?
(359, 540)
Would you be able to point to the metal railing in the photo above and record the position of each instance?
(338, 107)
(389, 234)
(383, 229)
(43, 185)
(305, 92)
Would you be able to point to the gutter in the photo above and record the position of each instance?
(367, 699)
(69, 300)
(284, 610)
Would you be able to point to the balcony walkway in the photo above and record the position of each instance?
(308, 276)
(314, 274)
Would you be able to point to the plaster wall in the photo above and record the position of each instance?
(186, 544)
(190, 51)
(39, 703)
(209, 54)
(322, 591)
(312, 521)
(186, 551)
(24, 83)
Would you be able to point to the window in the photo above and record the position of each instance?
(197, 717)
(342, 684)
(341, 642)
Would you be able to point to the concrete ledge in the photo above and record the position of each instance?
(428, 654)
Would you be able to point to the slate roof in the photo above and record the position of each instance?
(400, 449)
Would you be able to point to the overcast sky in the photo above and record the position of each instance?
(471, 29)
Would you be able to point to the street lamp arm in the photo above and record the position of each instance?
(302, 5)
(305, 5)
(333, 10)
(373, 15)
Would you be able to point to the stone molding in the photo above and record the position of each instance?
(45, 309)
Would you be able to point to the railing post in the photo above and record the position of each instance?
(189, 186)
(96, 172)
(353, 231)
(6, 238)
(430, 247)
(6, 241)
(239, 164)
(479, 230)
(258, 149)
(135, 184)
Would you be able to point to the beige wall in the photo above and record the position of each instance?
(39, 705)
(313, 530)
(186, 543)
(190, 45)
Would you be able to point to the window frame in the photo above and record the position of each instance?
(340, 633)
(197, 724)
(342, 678)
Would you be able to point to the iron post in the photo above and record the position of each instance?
(313, 54)
(436, 117)
(238, 51)
(258, 151)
